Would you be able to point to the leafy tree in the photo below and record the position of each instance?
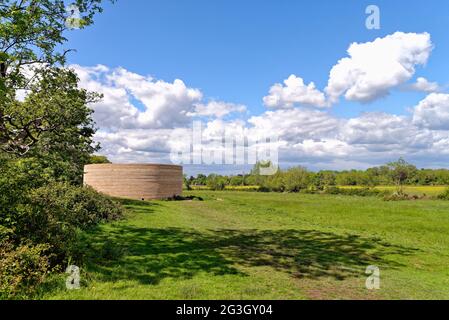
(274, 182)
(216, 183)
(187, 183)
(323, 179)
(237, 180)
(400, 171)
(255, 174)
(59, 105)
(31, 31)
(296, 179)
(372, 177)
(346, 178)
(44, 139)
(201, 180)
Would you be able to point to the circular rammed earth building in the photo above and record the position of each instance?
(135, 181)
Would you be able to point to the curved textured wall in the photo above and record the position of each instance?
(135, 181)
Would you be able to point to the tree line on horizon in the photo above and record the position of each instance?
(298, 178)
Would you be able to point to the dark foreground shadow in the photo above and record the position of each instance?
(186, 198)
(149, 255)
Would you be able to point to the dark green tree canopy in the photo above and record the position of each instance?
(55, 112)
(31, 33)
(58, 122)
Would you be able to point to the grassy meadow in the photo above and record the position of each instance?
(430, 191)
(246, 245)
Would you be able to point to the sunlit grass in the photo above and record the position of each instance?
(412, 190)
(247, 245)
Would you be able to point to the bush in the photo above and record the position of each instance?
(51, 215)
(444, 195)
(80, 206)
(97, 159)
(361, 192)
(274, 183)
(21, 269)
(400, 196)
(216, 184)
(243, 188)
(296, 179)
(58, 211)
(187, 183)
(40, 228)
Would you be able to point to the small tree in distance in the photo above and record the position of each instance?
(400, 171)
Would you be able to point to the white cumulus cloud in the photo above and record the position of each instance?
(131, 100)
(433, 112)
(218, 109)
(374, 68)
(296, 125)
(294, 92)
(424, 85)
(165, 104)
(382, 132)
(142, 119)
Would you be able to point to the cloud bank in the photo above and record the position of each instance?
(140, 115)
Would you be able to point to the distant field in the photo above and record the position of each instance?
(228, 188)
(412, 190)
(249, 245)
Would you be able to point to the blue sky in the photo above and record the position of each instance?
(235, 51)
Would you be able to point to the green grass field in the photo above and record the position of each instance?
(244, 245)
(431, 191)
(414, 190)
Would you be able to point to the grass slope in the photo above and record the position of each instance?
(239, 245)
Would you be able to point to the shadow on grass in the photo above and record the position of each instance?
(149, 255)
(185, 198)
(143, 204)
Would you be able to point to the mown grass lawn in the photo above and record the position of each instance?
(244, 245)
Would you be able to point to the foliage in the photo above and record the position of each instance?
(243, 188)
(31, 33)
(361, 192)
(400, 171)
(401, 196)
(444, 195)
(238, 180)
(296, 179)
(200, 180)
(49, 216)
(22, 268)
(323, 179)
(59, 210)
(45, 141)
(97, 159)
(187, 183)
(61, 107)
(299, 179)
(17, 179)
(216, 183)
(273, 183)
